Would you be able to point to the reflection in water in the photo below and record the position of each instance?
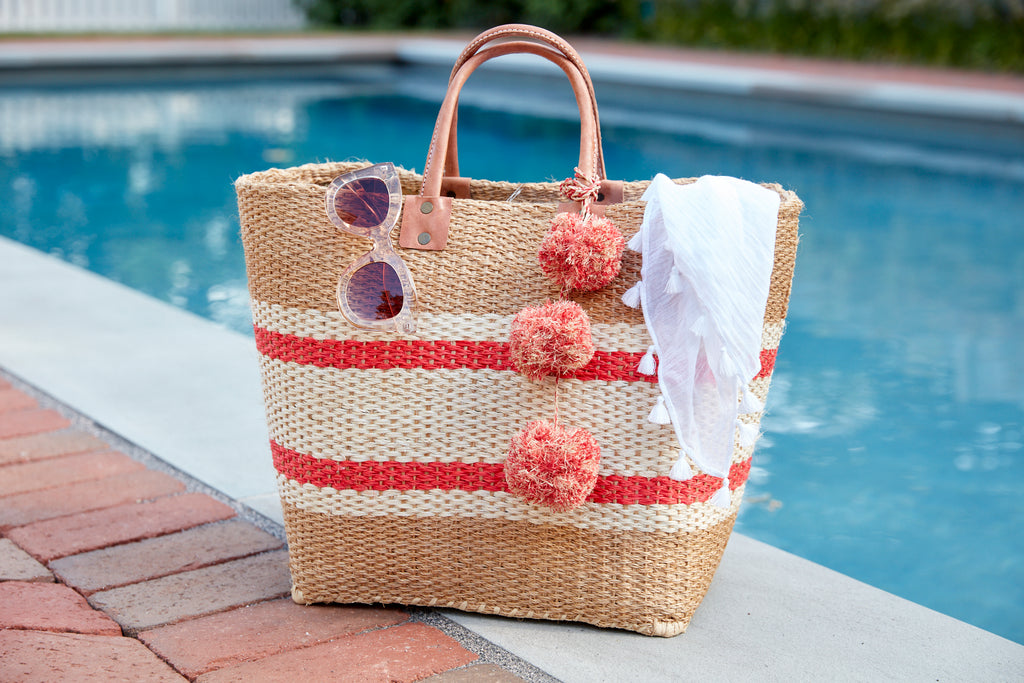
(161, 118)
(136, 183)
(893, 447)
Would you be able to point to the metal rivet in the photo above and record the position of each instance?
(424, 238)
(426, 207)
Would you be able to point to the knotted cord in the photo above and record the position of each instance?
(581, 188)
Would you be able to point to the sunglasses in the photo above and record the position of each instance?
(375, 292)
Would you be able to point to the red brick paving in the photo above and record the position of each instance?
(25, 422)
(408, 652)
(50, 607)
(86, 496)
(47, 445)
(12, 399)
(252, 633)
(68, 469)
(17, 565)
(209, 589)
(161, 556)
(197, 593)
(39, 656)
(63, 536)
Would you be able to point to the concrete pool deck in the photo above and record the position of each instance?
(187, 391)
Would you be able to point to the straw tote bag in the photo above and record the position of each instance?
(389, 446)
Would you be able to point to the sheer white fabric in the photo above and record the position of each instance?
(708, 250)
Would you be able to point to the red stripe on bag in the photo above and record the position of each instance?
(767, 362)
(431, 355)
(426, 476)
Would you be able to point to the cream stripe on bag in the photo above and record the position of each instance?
(502, 505)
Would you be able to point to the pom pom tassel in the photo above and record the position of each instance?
(635, 242)
(722, 497)
(659, 413)
(552, 466)
(632, 296)
(647, 364)
(747, 434)
(551, 339)
(581, 253)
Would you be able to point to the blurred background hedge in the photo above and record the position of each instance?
(981, 34)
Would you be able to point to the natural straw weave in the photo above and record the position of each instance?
(389, 449)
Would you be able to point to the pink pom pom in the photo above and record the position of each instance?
(552, 339)
(581, 253)
(552, 466)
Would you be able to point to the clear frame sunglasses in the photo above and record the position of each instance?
(376, 291)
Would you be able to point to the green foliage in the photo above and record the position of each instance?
(980, 34)
(984, 34)
(568, 16)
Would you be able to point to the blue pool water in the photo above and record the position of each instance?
(894, 446)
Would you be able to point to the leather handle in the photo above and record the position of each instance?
(445, 127)
(426, 217)
(534, 33)
(538, 35)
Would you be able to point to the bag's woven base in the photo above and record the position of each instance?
(558, 572)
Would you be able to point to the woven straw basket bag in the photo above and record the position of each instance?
(389, 447)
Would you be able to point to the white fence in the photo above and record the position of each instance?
(60, 16)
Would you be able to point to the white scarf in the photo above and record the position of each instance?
(708, 251)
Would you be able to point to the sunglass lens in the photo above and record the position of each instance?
(375, 292)
(362, 203)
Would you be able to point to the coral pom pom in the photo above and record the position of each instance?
(581, 253)
(551, 466)
(552, 339)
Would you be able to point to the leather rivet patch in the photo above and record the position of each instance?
(429, 215)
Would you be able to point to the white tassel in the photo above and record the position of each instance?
(632, 296)
(747, 434)
(722, 497)
(636, 241)
(659, 413)
(699, 326)
(647, 365)
(726, 366)
(675, 282)
(750, 403)
(681, 471)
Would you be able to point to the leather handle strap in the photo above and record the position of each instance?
(444, 129)
(534, 33)
(425, 217)
(540, 36)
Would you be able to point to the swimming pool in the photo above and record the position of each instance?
(893, 448)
